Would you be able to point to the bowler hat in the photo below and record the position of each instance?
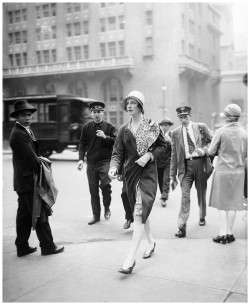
(137, 95)
(166, 121)
(231, 110)
(97, 105)
(20, 106)
(183, 110)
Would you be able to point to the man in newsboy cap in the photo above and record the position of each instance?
(26, 165)
(96, 142)
(189, 149)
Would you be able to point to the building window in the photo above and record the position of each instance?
(17, 16)
(86, 52)
(53, 28)
(69, 30)
(46, 34)
(46, 10)
(53, 9)
(10, 17)
(111, 23)
(68, 8)
(25, 62)
(103, 25)
(77, 7)
(46, 56)
(122, 48)
(18, 59)
(121, 22)
(112, 50)
(38, 34)
(149, 17)
(103, 4)
(149, 46)
(191, 27)
(103, 49)
(191, 50)
(11, 60)
(69, 54)
(24, 36)
(17, 37)
(10, 38)
(53, 53)
(85, 6)
(77, 29)
(38, 12)
(38, 57)
(85, 27)
(24, 14)
(77, 51)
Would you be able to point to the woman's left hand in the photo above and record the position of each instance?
(143, 160)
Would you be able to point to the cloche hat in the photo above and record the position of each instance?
(231, 110)
(20, 106)
(137, 95)
(165, 121)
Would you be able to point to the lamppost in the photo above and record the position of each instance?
(164, 88)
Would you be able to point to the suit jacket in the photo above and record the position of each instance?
(203, 137)
(25, 159)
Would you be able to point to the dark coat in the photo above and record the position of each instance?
(25, 159)
(125, 154)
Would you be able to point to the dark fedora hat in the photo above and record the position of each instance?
(20, 106)
(166, 121)
(96, 105)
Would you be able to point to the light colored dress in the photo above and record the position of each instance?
(230, 143)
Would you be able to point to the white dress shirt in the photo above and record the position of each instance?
(191, 133)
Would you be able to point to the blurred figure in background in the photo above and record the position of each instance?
(230, 144)
(163, 165)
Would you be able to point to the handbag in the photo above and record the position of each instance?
(208, 166)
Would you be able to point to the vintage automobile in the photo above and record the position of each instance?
(57, 123)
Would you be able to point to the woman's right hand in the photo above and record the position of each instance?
(112, 173)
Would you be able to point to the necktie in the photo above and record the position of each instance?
(191, 146)
(30, 132)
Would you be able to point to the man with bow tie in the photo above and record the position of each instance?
(189, 149)
(27, 165)
(96, 142)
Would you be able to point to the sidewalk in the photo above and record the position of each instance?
(87, 272)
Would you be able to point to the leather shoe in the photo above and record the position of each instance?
(127, 224)
(25, 251)
(202, 222)
(127, 271)
(230, 238)
(220, 239)
(107, 214)
(58, 249)
(181, 233)
(148, 254)
(163, 203)
(93, 221)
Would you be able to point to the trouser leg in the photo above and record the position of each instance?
(23, 219)
(201, 186)
(93, 180)
(185, 197)
(105, 185)
(44, 234)
(126, 204)
(165, 182)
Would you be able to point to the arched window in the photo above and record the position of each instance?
(111, 93)
(46, 88)
(78, 88)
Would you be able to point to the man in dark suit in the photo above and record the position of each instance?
(163, 165)
(26, 165)
(189, 149)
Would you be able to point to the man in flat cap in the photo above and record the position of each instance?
(27, 165)
(189, 149)
(96, 142)
(163, 165)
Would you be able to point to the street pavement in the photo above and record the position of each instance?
(191, 269)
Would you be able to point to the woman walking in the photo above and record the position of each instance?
(138, 146)
(230, 144)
